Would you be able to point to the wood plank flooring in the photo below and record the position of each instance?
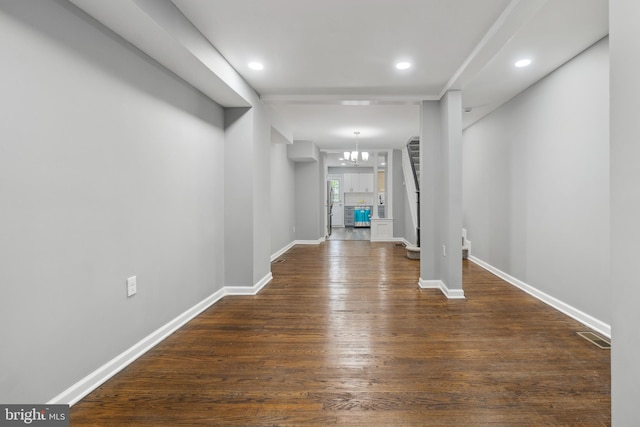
(344, 336)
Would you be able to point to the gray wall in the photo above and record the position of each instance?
(239, 203)
(109, 167)
(282, 198)
(308, 201)
(625, 210)
(430, 184)
(536, 185)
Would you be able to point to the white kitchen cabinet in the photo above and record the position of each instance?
(349, 182)
(358, 182)
(366, 182)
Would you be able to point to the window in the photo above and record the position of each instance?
(335, 190)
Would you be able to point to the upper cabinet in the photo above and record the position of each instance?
(358, 182)
(366, 182)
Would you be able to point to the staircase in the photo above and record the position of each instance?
(413, 148)
(414, 155)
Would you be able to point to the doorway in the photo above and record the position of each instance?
(337, 200)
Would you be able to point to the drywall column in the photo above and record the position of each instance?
(309, 191)
(388, 187)
(261, 173)
(246, 197)
(441, 195)
(625, 209)
(238, 197)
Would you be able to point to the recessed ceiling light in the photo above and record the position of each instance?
(403, 65)
(343, 164)
(522, 63)
(256, 66)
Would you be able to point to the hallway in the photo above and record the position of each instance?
(344, 336)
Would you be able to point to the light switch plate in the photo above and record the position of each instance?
(131, 286)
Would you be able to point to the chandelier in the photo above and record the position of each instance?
(355, 156)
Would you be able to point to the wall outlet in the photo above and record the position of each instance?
(444, 250)
(131, 286)
(294, 228)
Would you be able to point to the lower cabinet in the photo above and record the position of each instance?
(348, 216)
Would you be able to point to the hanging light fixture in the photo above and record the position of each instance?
(356, 156)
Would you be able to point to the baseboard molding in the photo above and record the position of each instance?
(439, 284)
(430, 284)
(86, 385)
(309, 242)
(282, 251)
(580, 316)
(392, 240)
(248, 290)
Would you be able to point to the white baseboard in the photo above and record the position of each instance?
(405, 241)
(430, 284)
(580, 316)
(309, 242)
(439, 284)
(392, 240)
(248, 290)
(86, 385)
(282, 251)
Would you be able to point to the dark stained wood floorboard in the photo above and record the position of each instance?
(344, 336)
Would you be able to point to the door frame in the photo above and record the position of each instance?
(339, 206)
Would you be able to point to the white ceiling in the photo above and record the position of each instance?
(321, 55)
(344, 47)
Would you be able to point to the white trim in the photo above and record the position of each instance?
(282, 251)
(430, 284)
(405, 241)
(452, 293)
(86, 385)
(309, 242)
(392, 240)
(580, 316)
(92, 381)
(380, 227)
(395, 240)
(248, 290)
(439, 284)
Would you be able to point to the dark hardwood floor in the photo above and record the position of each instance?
(344, 336)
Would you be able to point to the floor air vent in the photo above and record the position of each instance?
(279, 261)
(399, 245)
(596, 339)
